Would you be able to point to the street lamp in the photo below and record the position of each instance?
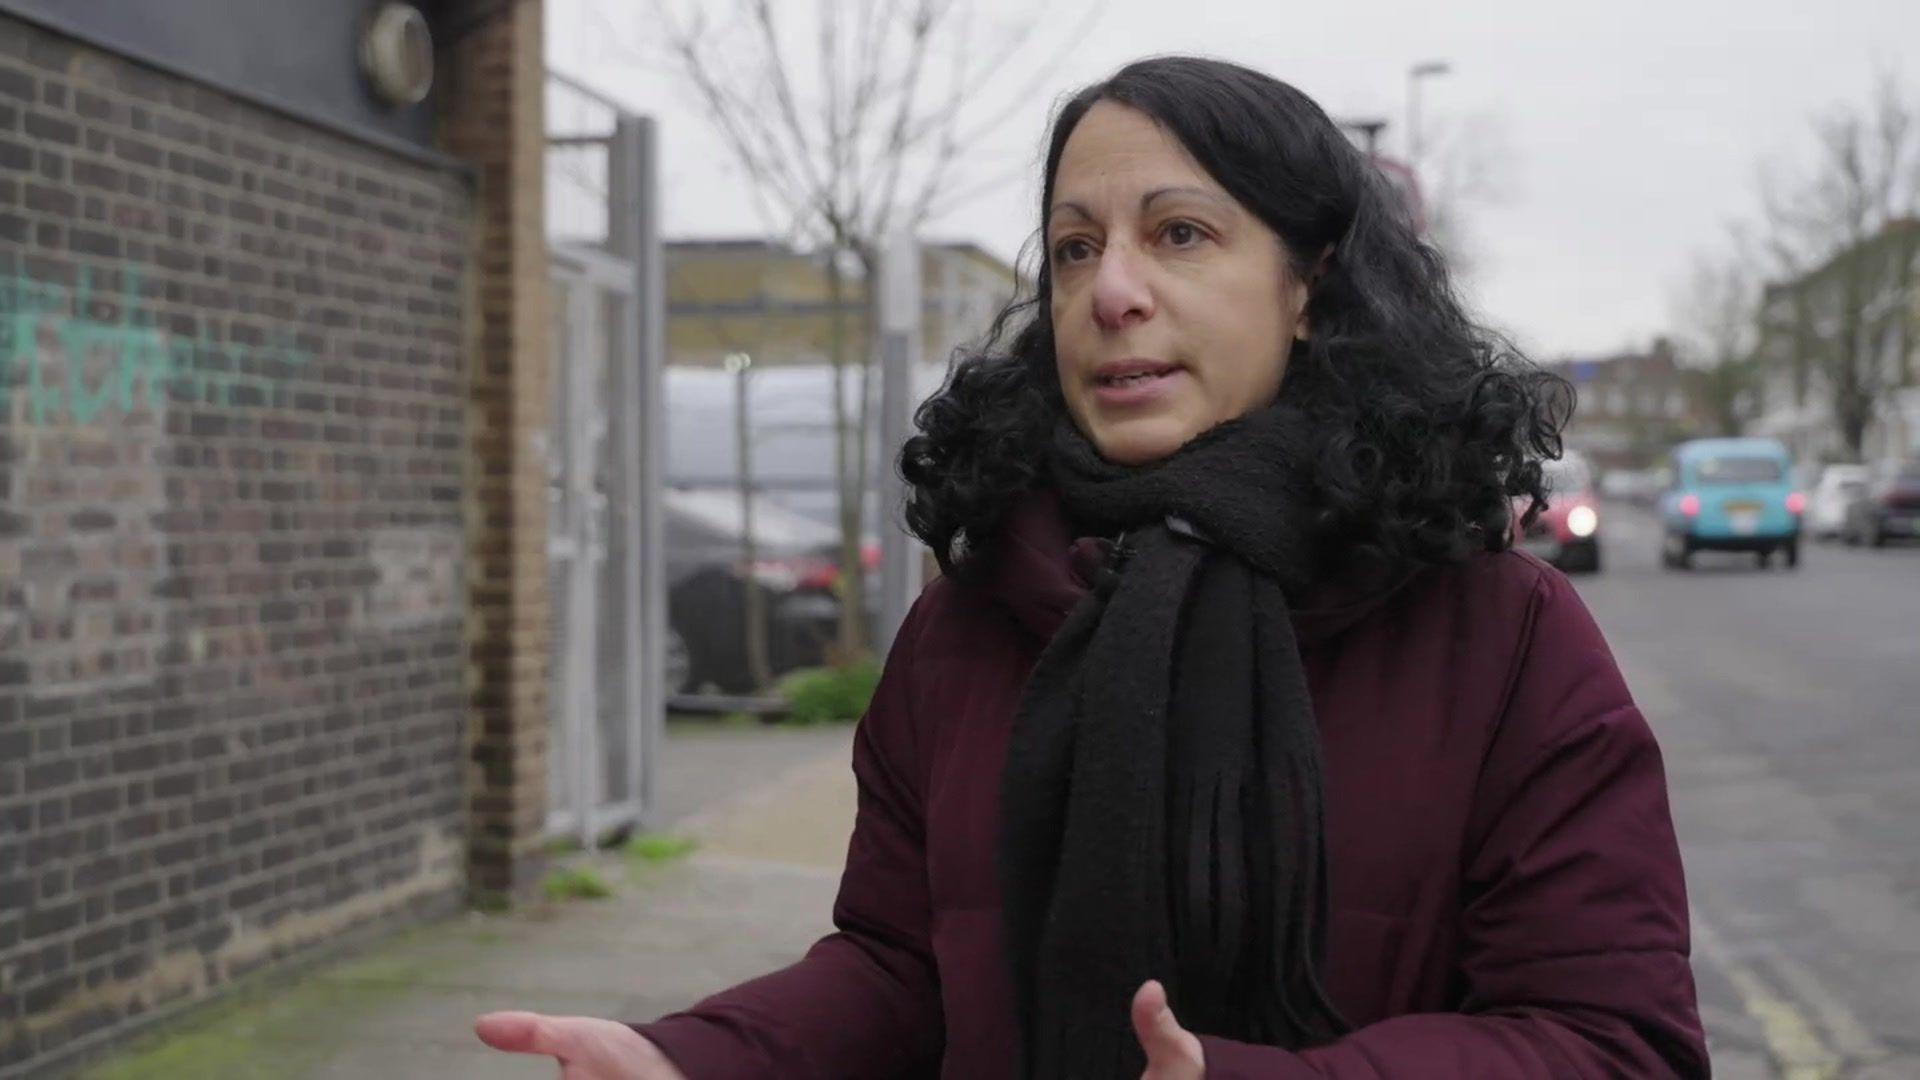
(740, 365)
(1369, 130)
(1414, 74)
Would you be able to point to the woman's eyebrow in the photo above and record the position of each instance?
(1198, 192)
(1146, 201)
(1071, 207)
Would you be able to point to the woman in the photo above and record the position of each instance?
(1234, 741)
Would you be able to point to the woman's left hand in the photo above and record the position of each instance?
(1173, 1052)
(586, 1047)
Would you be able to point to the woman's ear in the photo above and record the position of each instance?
(1320, 266)
(1300, 328)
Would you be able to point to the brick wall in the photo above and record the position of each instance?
(233, 459)
(496, 81)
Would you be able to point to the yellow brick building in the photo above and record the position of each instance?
(774, 302)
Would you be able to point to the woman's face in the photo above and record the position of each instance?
(1174, 307)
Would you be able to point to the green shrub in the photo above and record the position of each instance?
(815, 695)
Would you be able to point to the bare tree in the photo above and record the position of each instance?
(1839, 236)
(846, 134)
(1715, 316)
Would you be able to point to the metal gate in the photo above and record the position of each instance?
(604, 454)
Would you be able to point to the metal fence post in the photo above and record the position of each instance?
(900, 300)
(633, 228)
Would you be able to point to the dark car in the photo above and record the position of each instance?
(795, 568)
(795, 473)
(1888, 507)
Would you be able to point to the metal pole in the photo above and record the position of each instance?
(753, 602)
(580, 708)
(900, 300)
(624, 240)
(633, 219)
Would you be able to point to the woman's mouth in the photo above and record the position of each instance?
(1131, 384)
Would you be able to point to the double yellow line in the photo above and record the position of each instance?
(1811, 1038)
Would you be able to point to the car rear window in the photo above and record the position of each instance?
(1740, 470)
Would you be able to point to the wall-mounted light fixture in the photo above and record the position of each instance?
(396, 53)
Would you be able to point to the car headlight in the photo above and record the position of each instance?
(1582, 521)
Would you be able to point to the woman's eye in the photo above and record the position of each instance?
(1181, 234)
(1071, 251)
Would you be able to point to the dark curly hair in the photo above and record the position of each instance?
(1430, 427)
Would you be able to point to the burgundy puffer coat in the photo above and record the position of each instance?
(1507, 897)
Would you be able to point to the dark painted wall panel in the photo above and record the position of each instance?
(300, 53)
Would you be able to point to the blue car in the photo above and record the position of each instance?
(1731, 495)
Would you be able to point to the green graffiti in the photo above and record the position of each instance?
(129, 352)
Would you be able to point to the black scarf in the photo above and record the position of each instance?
(1161, 805)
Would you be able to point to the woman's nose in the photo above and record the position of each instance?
(1120, 293)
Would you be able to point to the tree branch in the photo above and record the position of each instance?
(782, 86)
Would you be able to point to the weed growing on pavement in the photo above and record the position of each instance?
(263, 1026)
(659, 847)
(576, 883)
(562, 845)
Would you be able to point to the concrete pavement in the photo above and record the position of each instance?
(754, 894)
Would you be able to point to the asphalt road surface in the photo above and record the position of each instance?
(1787, 703)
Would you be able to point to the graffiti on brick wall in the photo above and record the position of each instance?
(64, 361)
(83, 385)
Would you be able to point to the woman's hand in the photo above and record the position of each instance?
(1173, 1052)
(586, 1048)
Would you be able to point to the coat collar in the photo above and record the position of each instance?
(1032, 574)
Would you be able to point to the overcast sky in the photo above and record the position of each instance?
(1626, 134)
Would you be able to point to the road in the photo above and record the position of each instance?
(1788, 707)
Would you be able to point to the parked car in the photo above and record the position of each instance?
(796, 509)
(1567, 532)
(1827, 506)
(795, 567)
(1638, 487)
(1888, 505)
(1731, 495)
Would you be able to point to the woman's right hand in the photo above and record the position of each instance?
(586, 1047)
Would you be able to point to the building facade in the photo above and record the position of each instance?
(775, 302)
(1632, 407)
(273, 380)
(1848, 327)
